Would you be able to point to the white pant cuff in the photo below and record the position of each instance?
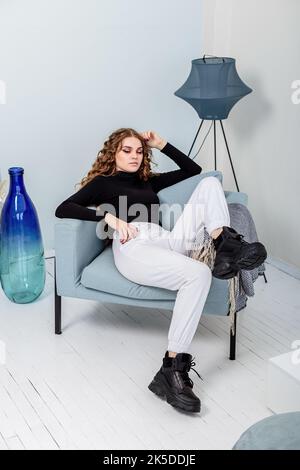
(217, 224)
(177, 348)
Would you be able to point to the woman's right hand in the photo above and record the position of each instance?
(125, 230)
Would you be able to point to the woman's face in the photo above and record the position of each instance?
(130, 155)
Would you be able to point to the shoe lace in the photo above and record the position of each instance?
(187, 380)
(236, 235)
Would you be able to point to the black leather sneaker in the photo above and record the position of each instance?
(233, 254)
(173, 383)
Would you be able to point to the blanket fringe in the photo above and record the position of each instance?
(206, 253)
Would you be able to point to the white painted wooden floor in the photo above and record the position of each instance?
(87, 389)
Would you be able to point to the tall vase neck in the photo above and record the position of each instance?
(16, 180)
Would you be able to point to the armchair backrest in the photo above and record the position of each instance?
(175, 196)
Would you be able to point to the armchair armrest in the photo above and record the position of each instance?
(76, 245)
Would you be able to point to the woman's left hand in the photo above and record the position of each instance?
(153, 139)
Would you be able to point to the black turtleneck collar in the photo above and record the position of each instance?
(127, 174)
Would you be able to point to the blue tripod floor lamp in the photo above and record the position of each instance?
(212, 88)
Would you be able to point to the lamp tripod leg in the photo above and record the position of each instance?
(237, 186)
(196, 137)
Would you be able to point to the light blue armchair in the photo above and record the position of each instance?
(84, 264)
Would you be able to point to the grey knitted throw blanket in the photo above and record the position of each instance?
(241, 286)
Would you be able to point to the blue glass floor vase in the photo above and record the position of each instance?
(22, 263)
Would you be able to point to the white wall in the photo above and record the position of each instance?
(75, 70)
(263, 128)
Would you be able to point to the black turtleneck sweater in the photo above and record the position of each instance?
(104, 190)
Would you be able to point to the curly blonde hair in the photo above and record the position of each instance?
(105, 163)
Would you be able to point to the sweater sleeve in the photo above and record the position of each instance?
(75, 206)
(187, 166)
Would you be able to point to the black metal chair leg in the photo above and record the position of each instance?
(57, 305)
(265, 278)
(233, 341)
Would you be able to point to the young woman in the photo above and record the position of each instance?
(148, 254)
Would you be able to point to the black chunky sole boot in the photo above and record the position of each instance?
(234, 254)
(173, 383)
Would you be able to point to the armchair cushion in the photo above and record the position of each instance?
(102, 275)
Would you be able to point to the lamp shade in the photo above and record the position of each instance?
(213, 87)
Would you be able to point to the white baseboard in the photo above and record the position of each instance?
(287, 268)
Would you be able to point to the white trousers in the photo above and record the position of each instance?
(158, 257)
